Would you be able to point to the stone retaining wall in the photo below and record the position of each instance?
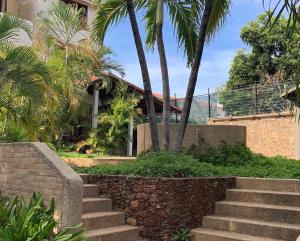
(29, 167)
(160, 207)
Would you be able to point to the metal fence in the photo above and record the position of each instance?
(255, 99)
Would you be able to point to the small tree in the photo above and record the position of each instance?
(112, 130)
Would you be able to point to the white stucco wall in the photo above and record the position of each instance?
(28, 9)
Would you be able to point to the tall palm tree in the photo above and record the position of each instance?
(210, 14)
(23, 75)
(179, 13)
(111, 12)
(65, 24)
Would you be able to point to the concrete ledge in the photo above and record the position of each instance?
(251, 117)
(40, 169)
(88, 162)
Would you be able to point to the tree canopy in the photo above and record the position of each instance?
(272, 59)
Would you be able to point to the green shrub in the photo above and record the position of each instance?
(225, 155)
(157, 164)
(32, 221)
(222, 161)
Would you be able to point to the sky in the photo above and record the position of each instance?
(216, 60)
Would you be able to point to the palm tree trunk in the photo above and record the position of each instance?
(164, 74)
(193, 76)
(145, 75)
(67, 55)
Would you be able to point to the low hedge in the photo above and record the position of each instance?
(222, 161)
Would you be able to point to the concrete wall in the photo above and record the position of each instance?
(201, 135)
(29, 167)
(268, 134)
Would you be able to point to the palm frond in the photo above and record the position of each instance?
(10, 26)
(63, 22)
(109, 12)
(277, 9)
(183, 15)
(221, 9)
(22, 75)
(150, 19)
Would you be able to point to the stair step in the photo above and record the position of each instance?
(202, 234)
(274, 230)
(264, 212)
(264, 197)
(268, 184)
(103, 220)
(90, 205)
(90, 190)
(85, 178)
(120, 233)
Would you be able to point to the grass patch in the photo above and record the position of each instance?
(74, 154)
(222, 161)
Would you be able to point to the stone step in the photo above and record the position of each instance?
(202, 234)
(90, 205)
(85, 178)
(120, 233)
(274, 230)
(263, 212)
(90, 190)
(103, 220)
(268, 184)
(264, 197)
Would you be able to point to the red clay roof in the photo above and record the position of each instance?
(156, 96)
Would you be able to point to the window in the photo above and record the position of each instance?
(3, 6)
(80, 4)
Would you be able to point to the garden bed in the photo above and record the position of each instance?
(223, 161)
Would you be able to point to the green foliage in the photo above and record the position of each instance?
(21, 220)
(225, 155)
(184, 15)
(273, 59)
(183, 235)
(221, 161)
(112, 131)
(157, 164)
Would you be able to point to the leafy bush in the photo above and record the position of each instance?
(226, 155)
(221, 161)
(157, 164)
(112, 131)
(21, 221)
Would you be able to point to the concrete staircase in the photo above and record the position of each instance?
(257, 210)
(100, 222)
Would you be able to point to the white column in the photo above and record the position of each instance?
(130, 136)
(95, 106)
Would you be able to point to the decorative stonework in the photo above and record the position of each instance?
(162, 206)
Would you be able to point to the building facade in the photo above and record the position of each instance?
(28, 9)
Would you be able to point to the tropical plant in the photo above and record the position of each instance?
(203, 16)
(32, 220)
(65, 24)
(183, 234)
(112, 130)
(23, 76)
(209, 14)
(111, 12)
(179, 13)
